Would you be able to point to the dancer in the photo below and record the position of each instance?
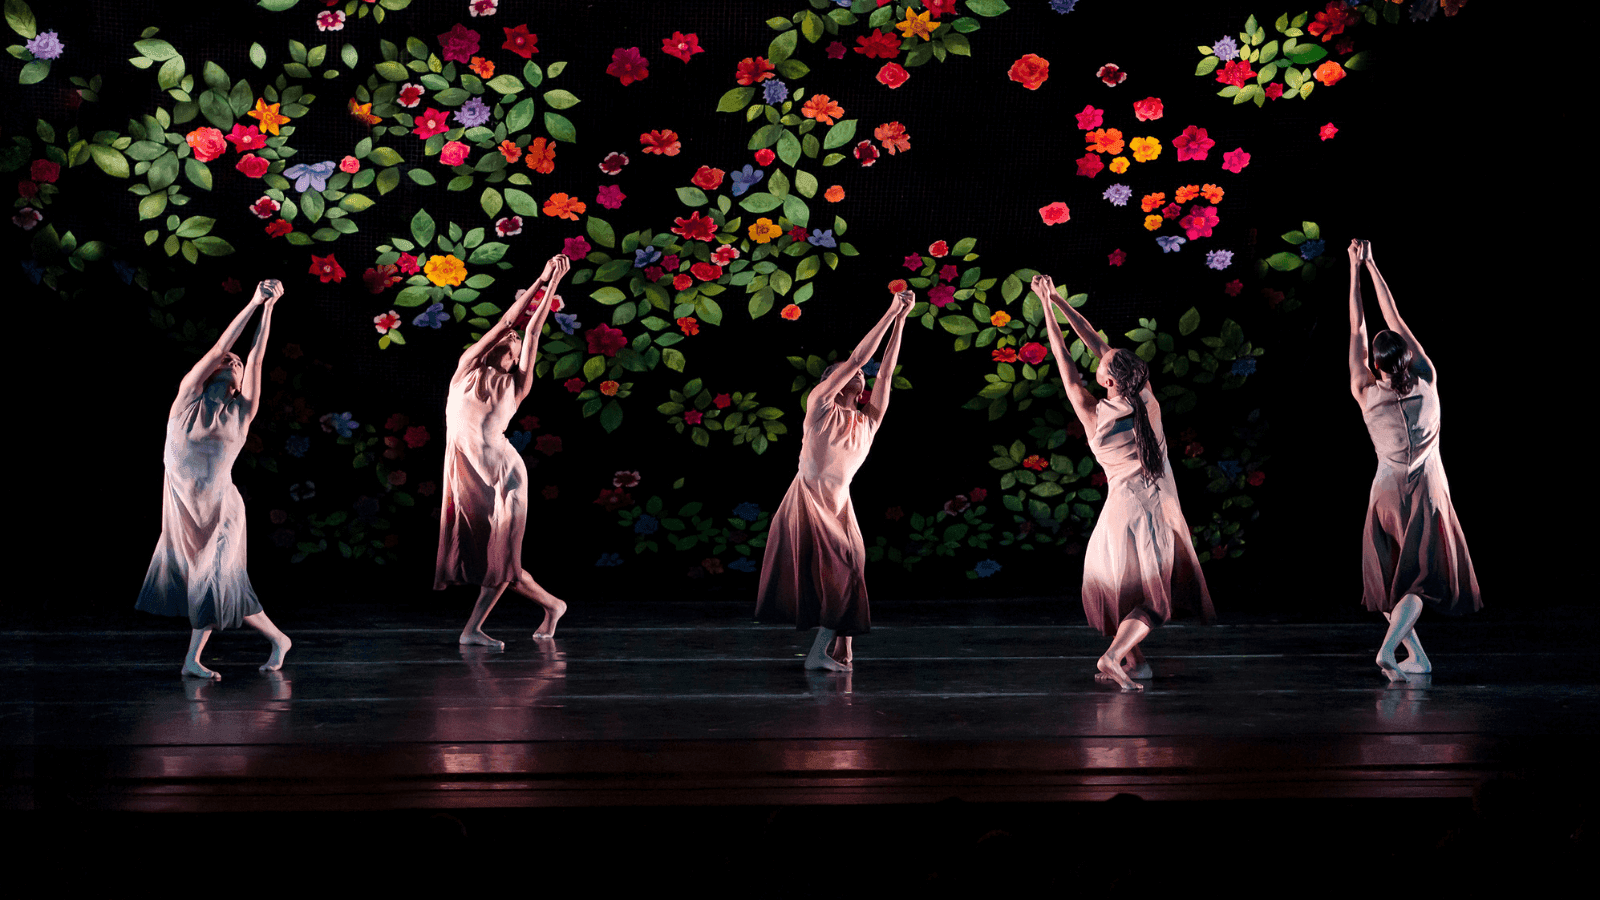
(485, 481)
(198, 569)
(1413, 551)
(813, 573)
(1140, 563)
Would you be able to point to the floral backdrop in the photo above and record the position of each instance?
(739, 196)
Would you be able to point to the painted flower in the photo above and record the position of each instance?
(1193, 143)
(1233, 287)
(836, 50)
(1170, 243)
(1212, 193)
(508, 226)
(268, 116)
(645, 256)
(605, 340)
(878, 45)
(330, 20)
(1090, 165)
(510, 151)
(1090, 118)
(987, 567)
(454, 153)
(1199, 222)
(208, 143)
(942, 295)
(1032, 353)
(1274, 91)
(1235, 160)
(774, 92)
(610, 196)
(753, 69)
(1004, 354)
(822, 108)
(46, 45)
(568, 322)
(265, 208)
(834, 193)
(279, 228)
(1235, 73)
(296, 446)
(575, 248)
(459, 44)
(350, 165)
(1327, 131)
(388, 320)
(540, 156)
(1148, 109)
(573, 385)
(26, 219)
(410, 95)
(689, 325)
(1186, 193)
(1111, 75)
(252, 165)
(445, 271)
(1030, 71)
(764, 230)
(1153, 222)
(1226, 49)
(893, 137)
(1328, 73)
(866, 153)
(613, 163)
(628, 65)
(1055, 213)
(1219, 260)
(913, 262)
(790, 312)
(663, 143)
(1117, 257)
(1244, 366)
(473, 113)
(561, 206)
(482, 68)
(520, 42)
(244, 138)
(432, 317)
(1118, 165)
(916, 25)
(1144, 148)
(430, 123)
(745, 179)
(1332, 21)
(1312, 249)
(379, 279)
(609, 388)
(483, 7)
(1256, 478)
(1104, 140)
(681, 45)
(1118, 194)
(706, 271)
(326, 268)
(765, 156)
(1000, 319)
(1034, 461)
(609, 559)
(1152, 202)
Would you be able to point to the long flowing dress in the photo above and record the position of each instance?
(1412, 542)
(814, 571)
(198, 569)
(485, 484)
(1140, 563)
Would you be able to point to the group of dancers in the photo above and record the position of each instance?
(1140, 565)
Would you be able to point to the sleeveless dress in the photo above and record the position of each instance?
(485, 508)
(813, 572)
(198, 569)
(1140, 563)
(1412, 542)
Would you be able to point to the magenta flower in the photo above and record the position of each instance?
(454, 153)
(1117, 257)
(1111, 75)
(1199, 222)
(1090, 118)
(914, 262)
(941, 295)
(629, 65)
(610, 196)
(1090, 165)
(1193, 143)
(459, 44)
(1235, 160)
(575, 248)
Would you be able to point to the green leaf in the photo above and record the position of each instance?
(987, 7)
(781, 48)
(806, 184)
(520, 116)
(217, 110)
(392, 71)
(1304, 54)
(109, 160)
(797, 211)
(1311, 229)
(840, 134)
(611, 416)
(958, 325)
(1189, 321)
(194, 226)
(560, 127)
(506, 84)
(211, 245)
(692, 196)
(1285, 261)
(788, 148)
(197, 173)
(560, 99)
(766, 136)
(736, 99)
(422, 176)
(601, 231)
(761, 202)
(21, 20)
(491, 202)
(170, 74)
(388, 180)
(808, 268)
(422, 228)
(156, 49)
(521, 203)
(1206, 66)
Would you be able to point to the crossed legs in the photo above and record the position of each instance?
(1125, 644)
(489, 595)
(1402, 630)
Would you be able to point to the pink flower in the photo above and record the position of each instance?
(1233, 287)
(1235, 160)
(693, 417)
(1055, 213)
(1193, 143)
(725, 254)
(941, 295)
(892, 75)
(252, 165)
(416, 436)
(866, 153)
(265, 208)
(836, 50)
(613, 163)
(1090, 118)
(244, 138)
(914, 261)
(350, 164)
(1090, 165)
(1147, 109)
(388, 320)
(1274, 91)
(1199, 222)
(576, 248)
(1117, 257)
(1032, 353)
(332, 20)
(1327, 131)
(605, 340)
(628, 65)
(948, 273)
(454, 153)
(408, 264)
(26, 218)
(484, 7)
(508, 226)
(681, 45)
(430, 123)
(207, 144)
(938, 249)
(610, 196)
(410, 95)
(1111, 75)
(459, 44)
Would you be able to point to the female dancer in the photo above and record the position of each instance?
(1140, 563)
(814, 571)
(485, 481)
(198, 569)
(1413, 551)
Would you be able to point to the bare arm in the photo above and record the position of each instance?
(474, 354)
(830, 386)
(1045, 289)
(250, 389)
(1083, 402)
(1360, 367)
(194, 383)
(891, 354)
(530, 342)
(1391, 318)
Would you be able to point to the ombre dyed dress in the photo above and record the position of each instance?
(1140, 563)
(1412, 542)
(198, 569)
(485, 508)
(814, 571)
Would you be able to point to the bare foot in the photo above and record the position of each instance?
(825, 662)
(479, 639)
(547, 629)
(1109, 668)
(1415, 667)
(840, 652)
(1140, 672)
(280, 649)
(1390, 670)
(193, 669)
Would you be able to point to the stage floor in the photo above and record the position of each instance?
(678, 703)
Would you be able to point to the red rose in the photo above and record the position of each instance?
(681, 282)
(350, 164)
(1032, 353)
(604, 339)
(1274, 91)
(44, 171)
(27, 189)
(1147, 109)
(708, 179)
(252, 165)
(279, 228)
(548, 444)
(706, 271)
(893, 75)
(208, 143)
(722, 401)
(938, 249)
(1030, 71)
(1256, 478)
(765, 156)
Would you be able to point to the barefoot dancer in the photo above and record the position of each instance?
(814, 571)
(1140, 563)
(485, 481)
(1413, 551)
(198, 569)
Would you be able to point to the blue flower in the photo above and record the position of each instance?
(870, 370)
(820, 238)
(846, 3)
(1244, 365)
(341, 423)
(125, 271)
(1219, 259)
(33, 269)
(986, 568)
(473, 113)
(432, 317)
(745, 180)
(743, 564)
(644, 256)
(1118, 194)
(1063, 6)
(1230, 468)
(1226, 49)
(609, 559)
(46, 46)
(646, 524)
(1311, 249)
(1170, 243)
(568, 322)
(774, 91)
(297, 445)
(747, 511)
(521, 439)
(314, 176)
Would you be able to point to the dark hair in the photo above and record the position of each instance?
(1391, 354)
(831, 367)
(1132, 375)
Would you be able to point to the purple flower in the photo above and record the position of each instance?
(820, 238)
(774, 91)
(46, 46)
(988, 567)
(472, 113)
(610, 559)
(432, 317)
(1245, 365)
(314, 177)
(343, 423)
(297, 445)
(743, 564)
(568, 322)
(1226, 49)
(1118, 194)
(1170, 242)
(743, 181)
(1219, 259)
(521, 439)
(644, 256)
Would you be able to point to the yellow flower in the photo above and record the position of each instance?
(362, 112)
(268, 116)
(445, 271)
(1145, 148)
(1000, 319)
(764, 230)
(1119, 165)
(917, 25)
(1151, 223)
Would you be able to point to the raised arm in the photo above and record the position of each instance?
(474, 354)
(1391, 317)
(250, 386)
(557, 268)
(1078, 395)
(194, 383)
(879, 403)
(1360, 366)
(834, 381)
(1045, 289)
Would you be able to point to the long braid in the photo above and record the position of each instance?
(1132, 375)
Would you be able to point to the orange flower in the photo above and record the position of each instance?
(790, 312)
(1327, 73)
(510, 151)
(764, 230)
(445, 270)
(1151, 223)
(1000, 319)
(268, 116)
(561, 206)
(1105, 140)
(834, 194)
(541, 156)
(664, 142)
(481, 67)
(609, 388)
(917, 26)
(362, 112)
(822, 108)
(1144, 148)
(893, 137)
(1186, 193)
(1119, 165)
(897, 285)
(1152, 201)
(1213, 194)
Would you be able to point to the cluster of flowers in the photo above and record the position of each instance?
(629, 65)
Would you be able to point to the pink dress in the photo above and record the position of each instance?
(814, 570)
(485, 484)
(1140, 563)
(198, 569)
(1412, 543)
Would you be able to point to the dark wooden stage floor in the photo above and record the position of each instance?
(690, 704)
